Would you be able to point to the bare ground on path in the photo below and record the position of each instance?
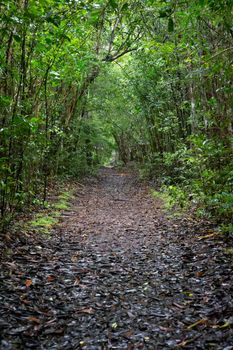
(117, 274)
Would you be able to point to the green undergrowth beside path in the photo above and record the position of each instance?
(45, 220)
(177, 203)
(174, 202)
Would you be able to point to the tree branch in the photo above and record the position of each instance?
(110, 58)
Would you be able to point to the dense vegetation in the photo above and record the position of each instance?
(82, 82)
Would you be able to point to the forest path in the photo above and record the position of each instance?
(117, 274)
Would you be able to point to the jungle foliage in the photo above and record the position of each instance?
(148, 81)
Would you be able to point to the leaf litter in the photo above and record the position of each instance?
(117, 274)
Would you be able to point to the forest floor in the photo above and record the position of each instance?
(117, 273)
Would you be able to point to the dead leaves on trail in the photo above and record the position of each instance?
(117, 274)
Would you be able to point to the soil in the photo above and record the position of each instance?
(117, 273)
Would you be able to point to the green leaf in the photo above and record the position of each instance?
(17, 38)
(54, 20)
(113, 3)
(163, 14)
(66, 37)
(125, 7)
(170, 25)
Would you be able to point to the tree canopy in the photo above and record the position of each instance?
(147, 81)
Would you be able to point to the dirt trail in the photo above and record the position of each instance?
(117, 274)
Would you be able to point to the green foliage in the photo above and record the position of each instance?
(168, 201)
(64, 198)
(82, 83)
(51, 52)
(173, 198)
(221, 204)
(62, 205)
(43, 223)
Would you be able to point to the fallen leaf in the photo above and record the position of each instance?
(197, 323)
(77, 281)
(51, 321)
(74, 258)
(33, 319)
(166, 329)
(187, 341)
(209, 235)
(28, 282)
(87, 310)
(51, 278)
(128, 334)
(225, 325)
(199, 273)
(179, 306)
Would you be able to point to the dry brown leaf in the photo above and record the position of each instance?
(166, 329)
(33, 319)
(74, 258)
(128, 334)
(51, 278)
(183, 343)
(179, 306)
(28, 282)
(199, 273)
(77, 281)
(87, 310)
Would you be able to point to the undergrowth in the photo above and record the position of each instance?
(174, 201)
(197, 176)
(44, 222)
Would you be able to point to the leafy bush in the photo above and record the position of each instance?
(201, 175)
